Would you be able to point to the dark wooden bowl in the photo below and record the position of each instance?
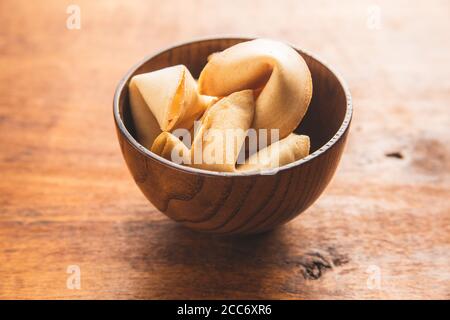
(236, 203)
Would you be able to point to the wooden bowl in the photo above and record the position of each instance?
(236, 203)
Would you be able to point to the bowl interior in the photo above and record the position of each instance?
(326, 114)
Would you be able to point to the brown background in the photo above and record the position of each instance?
(66, 197)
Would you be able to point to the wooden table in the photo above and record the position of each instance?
(381, 229)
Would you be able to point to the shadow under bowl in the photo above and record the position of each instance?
(237, 203)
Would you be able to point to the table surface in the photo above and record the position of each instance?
(380, 230)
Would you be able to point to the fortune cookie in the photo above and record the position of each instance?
(171, 148)
(220, 137)
(222, 132)
(165, 100)
(284, 151)
(270, 67)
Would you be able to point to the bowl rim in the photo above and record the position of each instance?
(144, 151)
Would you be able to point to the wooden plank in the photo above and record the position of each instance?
(66, 197)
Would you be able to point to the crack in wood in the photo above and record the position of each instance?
(396, 154)
(313, 264)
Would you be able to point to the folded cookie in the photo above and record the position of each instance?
(165, 100)
(284, 151)
(218, 140)
(274, 70)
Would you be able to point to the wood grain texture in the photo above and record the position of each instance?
(236, 203)
(66, 197)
